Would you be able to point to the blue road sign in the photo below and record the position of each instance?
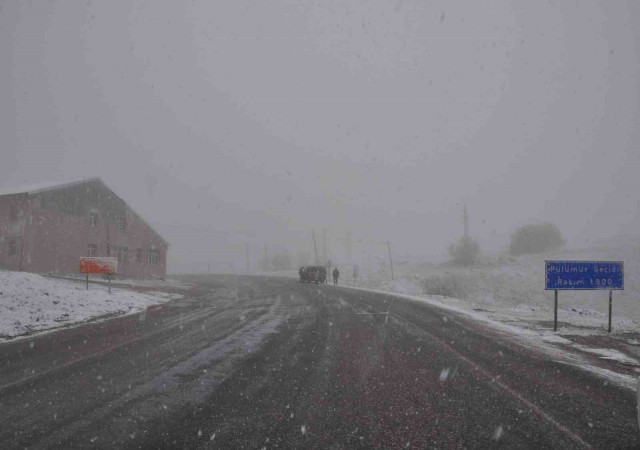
(584, 275)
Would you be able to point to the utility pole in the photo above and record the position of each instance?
(324, 246)
(315, 247)
(390, 260)
(246, 247)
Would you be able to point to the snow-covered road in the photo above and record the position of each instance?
(249, 362)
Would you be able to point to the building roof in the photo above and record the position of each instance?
(42, 187)
(45, 187)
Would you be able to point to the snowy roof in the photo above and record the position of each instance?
(41, 187)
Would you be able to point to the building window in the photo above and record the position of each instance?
(14, 214)
(13, 247)
(93, 219)
(92, 250)
(123, 254)
(139, 255)
(121, 223)
(153, 256)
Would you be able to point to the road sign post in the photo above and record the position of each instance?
(105, 265)
(555, 311)
(582, 276)
(610, 307)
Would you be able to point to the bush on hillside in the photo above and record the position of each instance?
(446, 285)
(464, 252)
(535, 238)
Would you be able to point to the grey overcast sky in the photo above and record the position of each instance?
(256, 121)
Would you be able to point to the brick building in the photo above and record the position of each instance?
(46, 229)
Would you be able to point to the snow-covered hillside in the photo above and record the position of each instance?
(512, 289)
(30, 303)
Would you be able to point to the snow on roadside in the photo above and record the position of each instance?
(137, 282)
(401, 286)
(167, 282)
(511, 289)
(30, 303)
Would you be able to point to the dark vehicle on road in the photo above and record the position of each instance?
(313, 274)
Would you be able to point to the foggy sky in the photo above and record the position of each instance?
(230, 122)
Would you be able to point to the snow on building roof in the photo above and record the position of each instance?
(42, 187)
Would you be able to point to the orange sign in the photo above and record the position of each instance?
(99, 265)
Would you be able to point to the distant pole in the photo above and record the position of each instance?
(246, 246)
(610, 307)
(324, 246)
(390, 260)
(109, 283)
(87, 281)
(555, 311)
(315, 247)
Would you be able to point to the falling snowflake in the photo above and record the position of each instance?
(444, 374)
(498, 433)
(303, 429)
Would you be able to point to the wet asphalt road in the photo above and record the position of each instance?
(247, 362)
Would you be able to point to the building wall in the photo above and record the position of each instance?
(12, 230)
(55, 229)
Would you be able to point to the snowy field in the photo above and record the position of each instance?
(32, 303)
(511, 289)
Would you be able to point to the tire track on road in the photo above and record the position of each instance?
(178, 322)
(478, 369)
(159, 393)
(494, 380)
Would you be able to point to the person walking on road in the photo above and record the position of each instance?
(336, 274)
